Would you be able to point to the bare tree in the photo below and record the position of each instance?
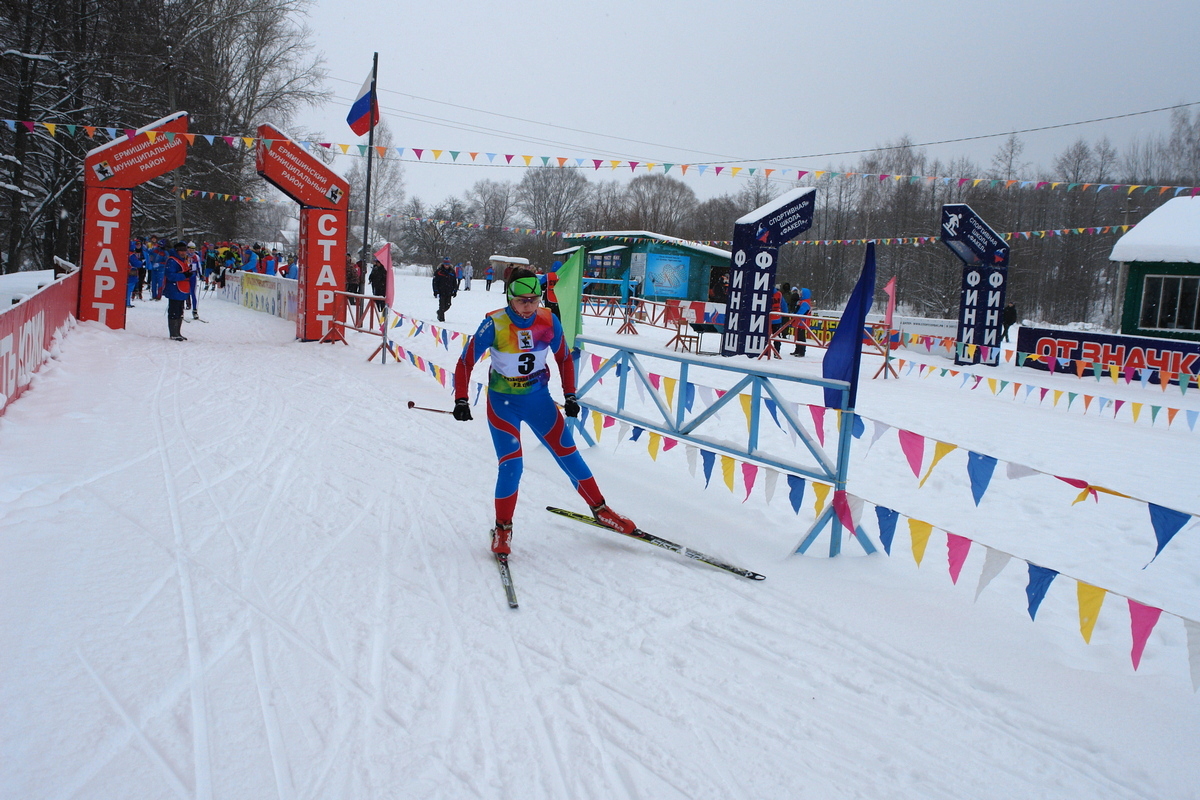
(552, 198)
(1006, 162)
(660, 204)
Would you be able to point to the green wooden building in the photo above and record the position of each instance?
(658, 267)
(1160, 260)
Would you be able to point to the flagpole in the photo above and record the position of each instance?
(366, 244)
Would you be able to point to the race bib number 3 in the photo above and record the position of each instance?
(519, 365)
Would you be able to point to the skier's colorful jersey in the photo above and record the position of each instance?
(519, 348)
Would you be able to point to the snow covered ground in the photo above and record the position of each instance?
(240, 566)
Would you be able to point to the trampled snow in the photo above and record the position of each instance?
(240, 566)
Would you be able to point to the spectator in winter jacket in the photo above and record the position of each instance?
(379, 283)
(489, 275)
(804, 308)
(468, 272)
(1010, 318)
(176, 287)
(135, 272)
(445, 286)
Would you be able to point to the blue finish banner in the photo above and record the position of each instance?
(756, 240)
(984, 283)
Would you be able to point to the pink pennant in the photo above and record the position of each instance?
(610, 421)
(818, 415)
(913, 445)
(668, 443)
(841, 506)
(1142, 620)
(749, 473)
(957, 548)
(1051, 362)
(1043, 393)
(655, 379)
(595, 363)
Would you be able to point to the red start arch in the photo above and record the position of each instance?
(110, 174)
(324, 199)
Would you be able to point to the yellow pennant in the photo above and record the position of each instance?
(438, 154)
(727, 471)
(920, 537)
(53, 126)
(1090, 600)
(992, 384)
(655, 441)
(153, 136)
(597, 424)
(1057, 396)
(1137, 410)
(1114, 370)
(940, 451)
(733, 171)
(669, 387)
(249, 141)
(345, 148)
(821, 490)
(614, 164)
(745, 398)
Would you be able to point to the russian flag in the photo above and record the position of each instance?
(364, 114)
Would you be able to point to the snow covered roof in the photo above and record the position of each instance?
(566, 250)
(612, 249)
(716, 251)
(1169, 233)
(509, 259)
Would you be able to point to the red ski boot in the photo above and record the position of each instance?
(606, 516)
(501, 537)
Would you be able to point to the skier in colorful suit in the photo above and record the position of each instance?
(520, 337)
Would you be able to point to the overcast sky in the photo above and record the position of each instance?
(772, 84)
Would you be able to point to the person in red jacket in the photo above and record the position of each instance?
(176, 288)
(520, 338)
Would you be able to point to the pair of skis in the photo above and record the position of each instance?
(637, 533)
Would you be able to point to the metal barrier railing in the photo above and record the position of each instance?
(685, 425)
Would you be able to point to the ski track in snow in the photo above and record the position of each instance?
(239, 566)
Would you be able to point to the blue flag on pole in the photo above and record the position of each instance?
(844, 355)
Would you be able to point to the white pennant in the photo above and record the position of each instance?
(995, 562)
(1014, 471)
(772, 476)
(622, 433)
(692, 454)
(880, 430)
(707, 396)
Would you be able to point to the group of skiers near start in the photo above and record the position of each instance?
(173, 271)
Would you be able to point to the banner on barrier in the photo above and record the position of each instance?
(1107, 350)
(27, 331)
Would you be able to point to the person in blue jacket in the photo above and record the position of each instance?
(176, 287)
(135, 271)
(157, 258)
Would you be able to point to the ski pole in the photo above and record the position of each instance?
(413, 404)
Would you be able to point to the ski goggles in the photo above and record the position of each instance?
(524, 286)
